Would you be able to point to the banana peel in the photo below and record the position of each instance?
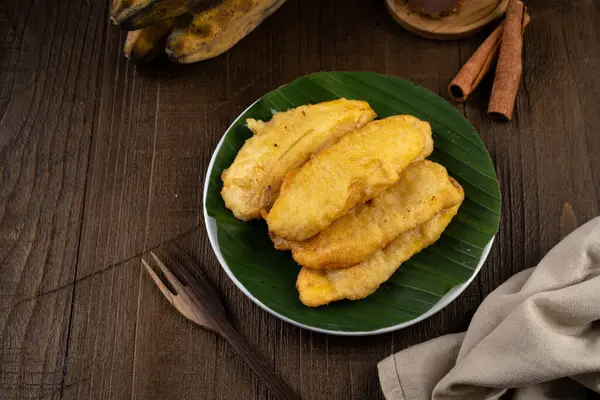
(218, 29)
(137, 14)
(197, 29)
(148, 43)
(120, 10)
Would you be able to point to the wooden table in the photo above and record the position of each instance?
(100, 161)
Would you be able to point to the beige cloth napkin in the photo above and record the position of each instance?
(535, 337)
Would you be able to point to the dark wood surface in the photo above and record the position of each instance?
(100, 161)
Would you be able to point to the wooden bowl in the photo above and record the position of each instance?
(474, 16)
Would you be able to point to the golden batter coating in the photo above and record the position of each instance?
(357, 168)
(320, 287)
(283, 144)
(424, 190)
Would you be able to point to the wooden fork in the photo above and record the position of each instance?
(198, 301)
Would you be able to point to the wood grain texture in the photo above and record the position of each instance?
(49, 61)
(102, 334)
(195, 297)
(101, 161)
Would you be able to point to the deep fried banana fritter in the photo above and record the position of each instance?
(357, 168)
(424, 190)
(283, 144)
(320, 287)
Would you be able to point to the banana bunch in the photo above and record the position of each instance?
(187, 30)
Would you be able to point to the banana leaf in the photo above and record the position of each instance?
(419, 284)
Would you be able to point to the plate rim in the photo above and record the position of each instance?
(211, 230)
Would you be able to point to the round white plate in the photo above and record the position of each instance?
(424, 284)
(211, 229)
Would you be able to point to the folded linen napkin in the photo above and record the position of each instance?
(537, 336)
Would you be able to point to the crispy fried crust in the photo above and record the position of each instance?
(359, 167)
(283, 144)
(424, 190)
(317, 288)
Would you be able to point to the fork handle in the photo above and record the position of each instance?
(258, 365)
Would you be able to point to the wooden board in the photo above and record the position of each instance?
(473, 17)
(82, 194)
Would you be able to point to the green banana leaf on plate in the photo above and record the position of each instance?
(421, 286)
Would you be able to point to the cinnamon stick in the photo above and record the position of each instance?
(510, 63)
(471, 74)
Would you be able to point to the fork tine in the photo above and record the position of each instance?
(173, 280)
(175, 301)
(203, 280)
(163, 288)
(180, 269)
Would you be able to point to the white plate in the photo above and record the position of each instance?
(211, 229)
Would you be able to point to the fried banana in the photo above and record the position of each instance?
(317, 288)
(283, 144)
(357, 168)
(214, 31)
(424, 190)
